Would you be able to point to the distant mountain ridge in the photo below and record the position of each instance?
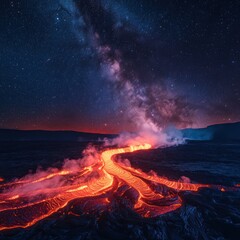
(217, 132)
(44, 135)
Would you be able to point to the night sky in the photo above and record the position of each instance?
(109, 66)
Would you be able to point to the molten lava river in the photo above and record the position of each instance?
(26, 201)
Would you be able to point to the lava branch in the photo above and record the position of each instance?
(25, 202)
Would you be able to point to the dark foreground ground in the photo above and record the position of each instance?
(207, 214)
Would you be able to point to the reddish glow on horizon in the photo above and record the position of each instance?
(110, 127)
(101, 129)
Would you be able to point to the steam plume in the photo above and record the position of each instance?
(128, 59)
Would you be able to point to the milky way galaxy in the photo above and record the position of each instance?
(154, 62)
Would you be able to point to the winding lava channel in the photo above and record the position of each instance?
(29, 200)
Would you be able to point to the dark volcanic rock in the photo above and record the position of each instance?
(206, 214)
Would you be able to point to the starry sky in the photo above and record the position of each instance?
(94, 65)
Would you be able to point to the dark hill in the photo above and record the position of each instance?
(218, 132)
(42, 135)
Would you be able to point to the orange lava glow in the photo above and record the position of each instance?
(25, 202)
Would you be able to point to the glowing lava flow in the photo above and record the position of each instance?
(27, 201)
